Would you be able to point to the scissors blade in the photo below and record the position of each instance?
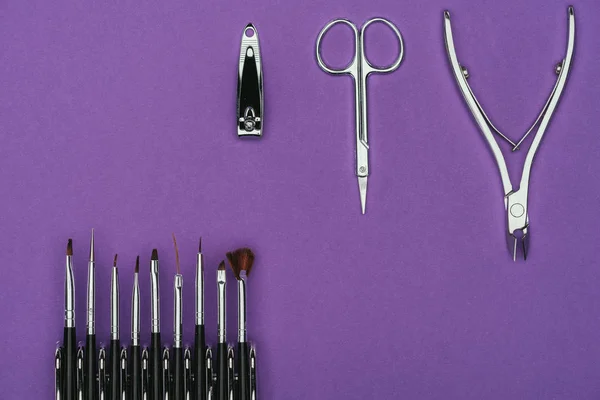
(362, 186)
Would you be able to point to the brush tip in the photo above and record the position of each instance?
(200, 245)
(154, 255)
(70, 247)
(222, 266)
(137, 264)
(176, 254)
(115, 261)
(233, 263)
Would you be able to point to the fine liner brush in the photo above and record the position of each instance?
(222, 384)
(115, 342)
(91, 384)
(178, 366)
(135, 386)
(201, 384)
(156, 366)
(69, 344)
(241, 262)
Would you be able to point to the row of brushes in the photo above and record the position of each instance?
(157, 372)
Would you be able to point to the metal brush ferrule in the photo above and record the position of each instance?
(91, 291)
(241, 310)
(91, 299)
(199, 289)
(135, 312)
(155, 298)
(221, 307)
(114, 304)
(69, 294)
(178, 312)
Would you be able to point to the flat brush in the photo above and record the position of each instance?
(115, 341)
(241, 262)
(91, 384)
(200, 374)
(222, 382)
(69, 343)
(135, 352)
(178, 365)
(156, 365)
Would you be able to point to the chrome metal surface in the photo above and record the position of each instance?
(360, 68)
(515, 199)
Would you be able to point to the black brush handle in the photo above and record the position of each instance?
(178, 374)
(91, 368)
(222, 383)
(156, 370)
(70, 373)
(200, 385)
(135, 365)
(115, 369)
(243, 368)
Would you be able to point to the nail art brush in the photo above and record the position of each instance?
(135, 386)
(241, 262)
(69, 344)
(201, 384)
(222, 384)
(156, 365)
(178, 367)
(91, 384)
(115, 342)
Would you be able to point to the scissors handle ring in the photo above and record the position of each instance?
(392, 67)
(350, 68)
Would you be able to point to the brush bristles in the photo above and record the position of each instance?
(154, 255)
(200, 245)
(115, 261)
(221, 266)
(241, 260)
(233, 264)
(70, 247)
(176, 255)
(137, 264)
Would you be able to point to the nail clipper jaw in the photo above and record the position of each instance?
(518, 243)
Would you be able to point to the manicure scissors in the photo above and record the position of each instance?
(515, 200)
(360, 68)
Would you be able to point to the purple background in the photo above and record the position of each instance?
(122, 118)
